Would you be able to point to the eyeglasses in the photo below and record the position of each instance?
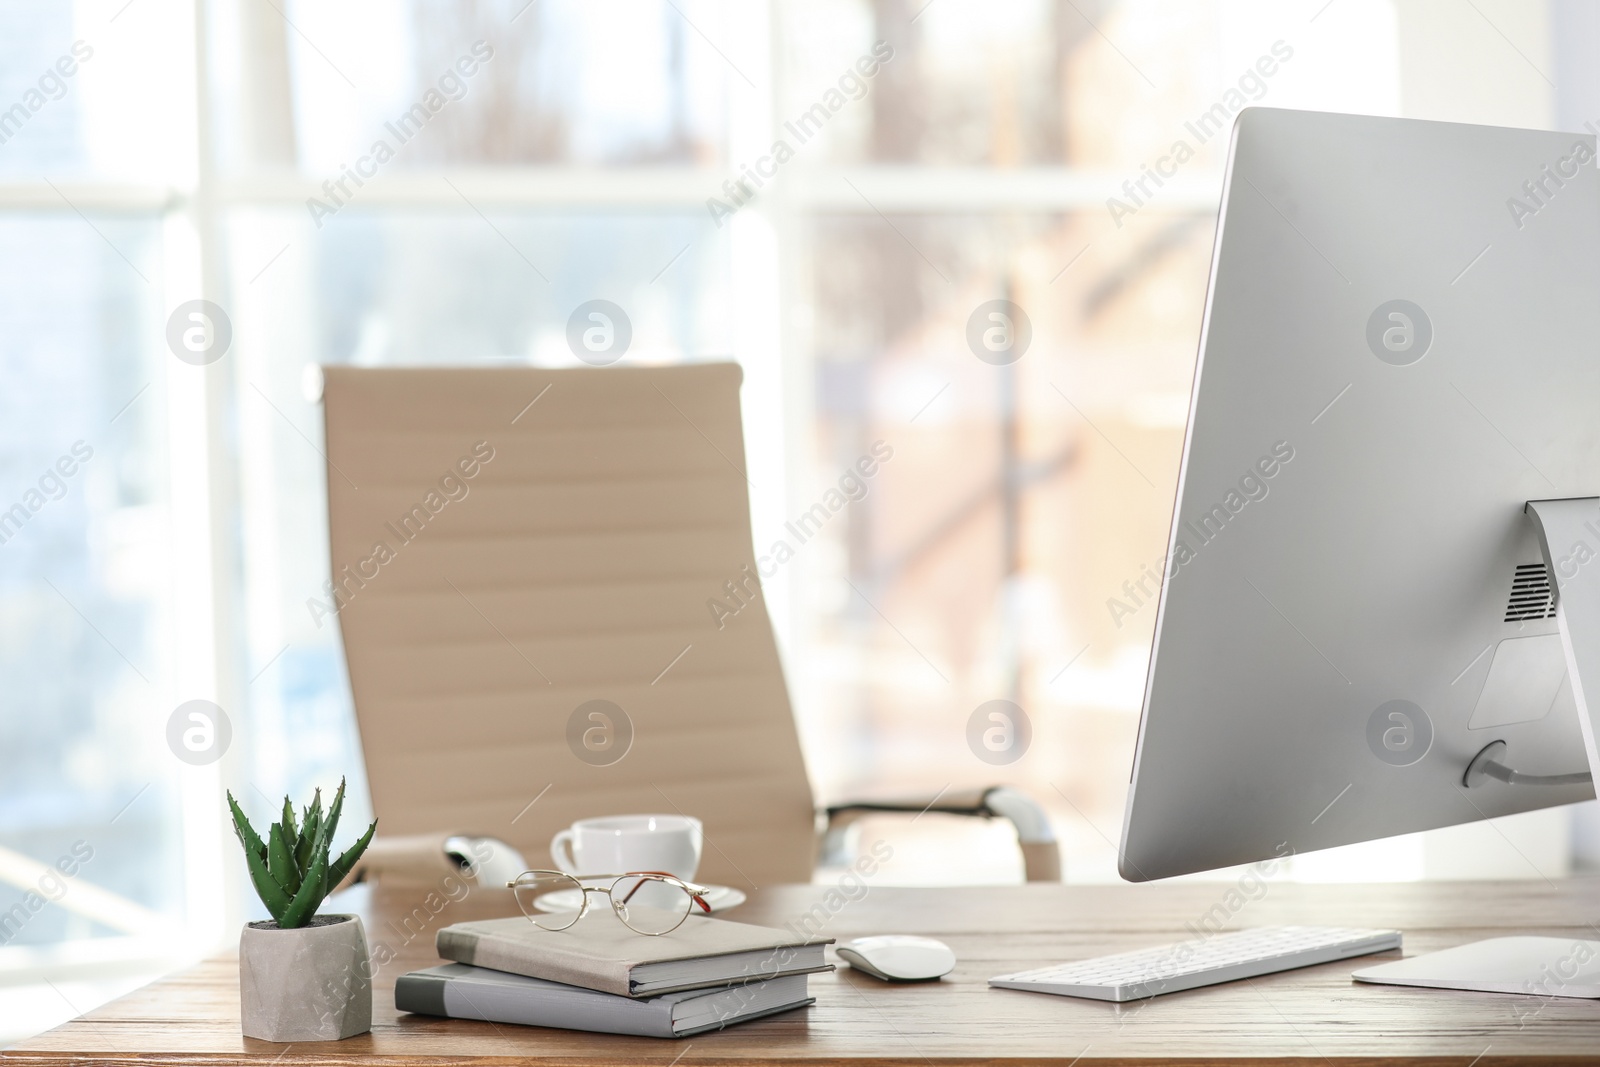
(647, 902)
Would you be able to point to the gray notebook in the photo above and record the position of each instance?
(600, 953)
(457, 991)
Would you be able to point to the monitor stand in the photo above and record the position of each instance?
(1569, 537)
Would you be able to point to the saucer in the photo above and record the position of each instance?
(720, 897)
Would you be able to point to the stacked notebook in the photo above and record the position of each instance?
(599, 975)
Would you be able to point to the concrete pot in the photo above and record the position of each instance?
(313, 983)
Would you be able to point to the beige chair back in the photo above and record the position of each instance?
(512, 544)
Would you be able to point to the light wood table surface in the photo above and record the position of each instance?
(1315, 1015)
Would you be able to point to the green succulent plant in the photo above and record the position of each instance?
(291, 869)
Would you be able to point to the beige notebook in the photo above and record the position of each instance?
(599, 952)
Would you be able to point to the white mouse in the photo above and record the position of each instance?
(899, 958)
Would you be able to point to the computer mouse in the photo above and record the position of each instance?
(898, 957)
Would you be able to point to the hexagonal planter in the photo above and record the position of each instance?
(312, 983)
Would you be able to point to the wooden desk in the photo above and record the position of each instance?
(1311, 1016)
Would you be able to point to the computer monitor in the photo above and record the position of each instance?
(1400, 351)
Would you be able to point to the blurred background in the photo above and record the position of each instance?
(226, 149)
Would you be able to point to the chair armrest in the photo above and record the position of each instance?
(423, 859)
(1041, 855)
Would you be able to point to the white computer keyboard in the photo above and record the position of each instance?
(1219, 958)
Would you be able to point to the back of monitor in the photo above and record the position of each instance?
(1399, 351)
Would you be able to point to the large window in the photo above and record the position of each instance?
(835, 193)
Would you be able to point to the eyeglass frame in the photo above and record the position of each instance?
(697, 894)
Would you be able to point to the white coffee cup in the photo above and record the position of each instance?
(617, 844)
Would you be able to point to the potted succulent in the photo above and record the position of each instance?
(302, 976)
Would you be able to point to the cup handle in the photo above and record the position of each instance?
(561, 852)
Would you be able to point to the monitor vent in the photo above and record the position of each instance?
(1531, 596)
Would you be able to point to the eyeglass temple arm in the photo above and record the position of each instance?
(694, 894)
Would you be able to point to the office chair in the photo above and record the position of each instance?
(522, 564)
